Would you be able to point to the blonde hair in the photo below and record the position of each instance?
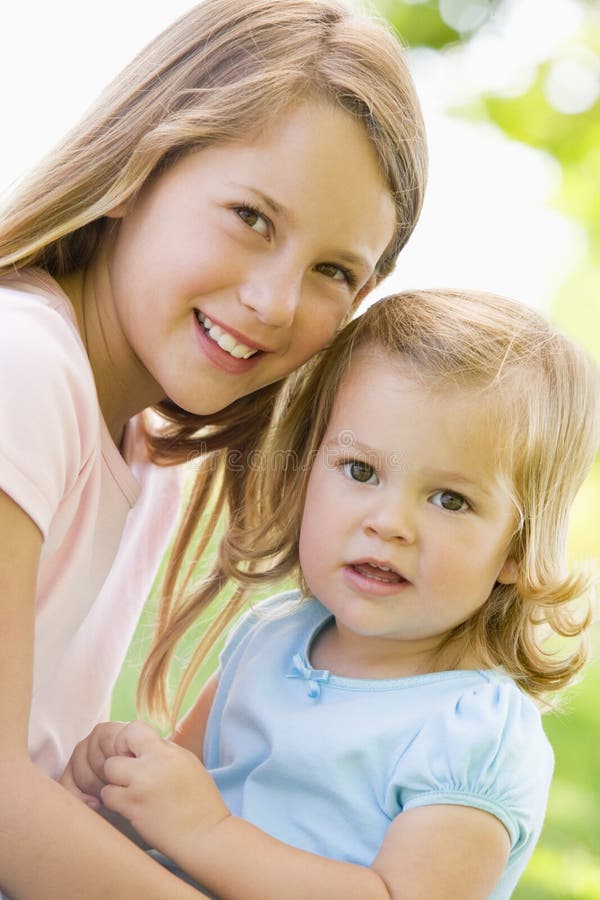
(545, 395)
(220, 73)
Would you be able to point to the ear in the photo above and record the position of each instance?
(509, 572)
(118, 212)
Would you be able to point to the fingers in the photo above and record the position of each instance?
(136, 739)
(127, 781)
(116, 799)
(69, 784)
(128, 773)
(84, 775)
(120, 770)
(104, 744)
(89, 764)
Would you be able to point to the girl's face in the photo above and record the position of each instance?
(239, 262)
(407, 522)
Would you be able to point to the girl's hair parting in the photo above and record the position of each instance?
(544, 393)
(222, 72)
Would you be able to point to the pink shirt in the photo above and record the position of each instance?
(59, 463)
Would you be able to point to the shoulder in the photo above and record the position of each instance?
(47, 395)
(502, 724)
(39, 340)
(269, 619)
(265, 613)
(484, 747)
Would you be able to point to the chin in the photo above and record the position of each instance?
(199, 408)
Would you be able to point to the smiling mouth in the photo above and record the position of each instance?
(378, 573)
(226, 341)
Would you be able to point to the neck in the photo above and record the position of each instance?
(123, 386)
(344, 653)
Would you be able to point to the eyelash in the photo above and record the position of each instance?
(349, 276)
(254, 209)
(452, 494)
(346, 465)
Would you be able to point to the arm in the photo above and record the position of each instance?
(432, 853)
(190, 731)
(51, 845)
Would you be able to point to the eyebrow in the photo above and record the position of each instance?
(440, 475)
(446, 475)
(273, 205)
(340, 442)
(353, 259)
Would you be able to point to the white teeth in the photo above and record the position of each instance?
(225, 340)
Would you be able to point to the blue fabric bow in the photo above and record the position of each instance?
(313, 677)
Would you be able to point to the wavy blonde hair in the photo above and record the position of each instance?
(221, 72)
(544, 392)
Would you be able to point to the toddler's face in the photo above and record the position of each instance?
(407, 522)
(239, 262)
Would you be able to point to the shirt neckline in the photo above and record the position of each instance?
(321, 617)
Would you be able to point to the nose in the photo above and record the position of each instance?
(390, 521)
(273, 297)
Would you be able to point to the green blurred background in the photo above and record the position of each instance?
(550, 101)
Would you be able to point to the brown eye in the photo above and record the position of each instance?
(450, 501)
(359, 471)
(254, 219)
(338, 273)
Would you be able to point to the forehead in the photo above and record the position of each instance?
(317, 161)
(385, 404)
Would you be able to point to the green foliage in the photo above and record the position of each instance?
(574, 140)
(566, 863)
(419, 24)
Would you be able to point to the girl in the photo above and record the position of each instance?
(375, 734)
(203, 232)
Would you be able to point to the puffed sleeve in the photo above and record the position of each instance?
(46, 397)
(487, 749)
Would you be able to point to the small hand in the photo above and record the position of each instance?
(84, 774)
(163, 789)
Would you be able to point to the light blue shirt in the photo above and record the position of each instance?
(325, 763)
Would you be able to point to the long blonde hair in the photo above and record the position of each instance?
(218, 74)
(545, 393)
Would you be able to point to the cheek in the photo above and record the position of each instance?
(445, 563)
(314, 521)
(307, 530)
(318, 323)
(308, 551)
(165, 243)
(307, 341)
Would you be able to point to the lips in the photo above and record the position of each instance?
(378, 572)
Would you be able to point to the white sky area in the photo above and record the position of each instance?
(488, 220)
